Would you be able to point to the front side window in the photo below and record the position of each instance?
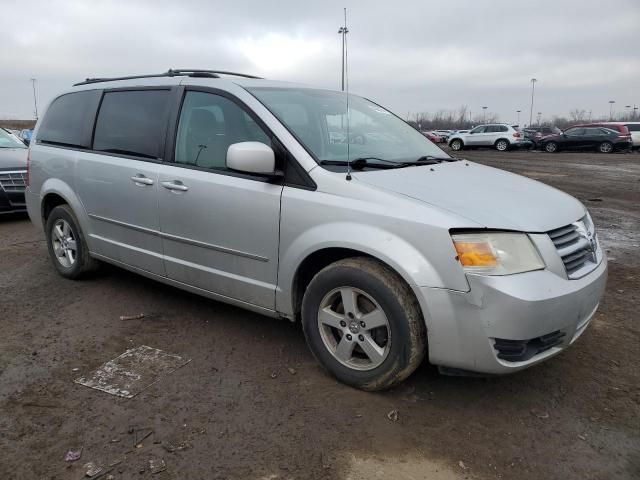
(132, 122)
(479, 130)
(209, 123)
(593, 131)
(319, 120)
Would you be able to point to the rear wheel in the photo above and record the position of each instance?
(502, 145)
(605, 147)
(67, 247)
(363, 324)
(551, 147)
(456, 145)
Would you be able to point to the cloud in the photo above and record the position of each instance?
(409, 55)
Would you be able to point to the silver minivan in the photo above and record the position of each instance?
(313, 205)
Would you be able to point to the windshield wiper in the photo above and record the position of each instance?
(362, 162)
(431, 160)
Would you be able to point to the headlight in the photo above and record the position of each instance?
(496, 253)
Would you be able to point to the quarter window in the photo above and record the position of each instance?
(132, 123)
(69, 119)
(209, 123)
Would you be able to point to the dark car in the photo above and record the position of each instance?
(603, 140)
(536, 134)
(13, 173)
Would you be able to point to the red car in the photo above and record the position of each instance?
(433, 137)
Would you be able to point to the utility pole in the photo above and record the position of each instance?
(533, 89)
(611, 102)
(35, 100)
(343, 31)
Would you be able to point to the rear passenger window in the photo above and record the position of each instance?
(209, 123)
(132, 123)
(69, 119)
(633, 128)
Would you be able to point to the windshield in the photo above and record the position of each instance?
(318, 119)
(7, 140)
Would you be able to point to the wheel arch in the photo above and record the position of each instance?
(56, 192)
(396, 254)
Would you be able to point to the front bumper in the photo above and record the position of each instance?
(539, 311)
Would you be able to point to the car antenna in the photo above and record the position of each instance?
(344, 32)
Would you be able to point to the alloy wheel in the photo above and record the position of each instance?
(354, 328)
(64, 243)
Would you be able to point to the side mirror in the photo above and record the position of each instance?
(251, 157)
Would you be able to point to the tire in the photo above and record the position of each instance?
(67, 247)
(456, 145)
(605, 147)
(381, 298)
(551, 147)
(502, 145)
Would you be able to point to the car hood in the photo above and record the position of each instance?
(489, 197)
(11, 158)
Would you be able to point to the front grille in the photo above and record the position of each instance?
(523, 350)
(576, 244)
(14, 181)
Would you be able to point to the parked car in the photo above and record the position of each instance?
(13, 170)
(443, 134)
(536, 134)
(435, 138)
(500, 136)
(229, 186)
(601, 139)
(631, 128)
(25, 135)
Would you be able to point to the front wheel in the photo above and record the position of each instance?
(551, 147)
(456, 145)
(605, 147)
(363, 324)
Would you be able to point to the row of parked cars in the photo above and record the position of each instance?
(604, 137)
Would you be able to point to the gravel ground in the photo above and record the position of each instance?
(252, 404)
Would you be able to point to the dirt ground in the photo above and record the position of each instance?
(236, 411)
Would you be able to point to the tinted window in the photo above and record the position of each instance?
(132, 122)
(208, 125)
(593, 131)
(633, 128)
(575, 131)
(491, 129)
(69, 119)
(478, 130)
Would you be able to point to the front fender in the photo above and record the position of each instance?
(384, 245)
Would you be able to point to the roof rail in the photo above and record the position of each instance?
(172, 72)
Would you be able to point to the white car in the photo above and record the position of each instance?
(500, 136)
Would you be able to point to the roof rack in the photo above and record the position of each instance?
(172, 72)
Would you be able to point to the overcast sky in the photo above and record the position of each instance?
(411, 56)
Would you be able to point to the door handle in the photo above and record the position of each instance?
(175, 185)
(141, 180)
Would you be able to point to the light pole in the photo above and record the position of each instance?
(518, 120)
(533, 89)
(539, 115)
(343, 31)
(633, 115)
(35, 100)
(484, 114)
(611, 102)
(629, 107)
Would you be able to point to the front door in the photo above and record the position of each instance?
(118, 181)
(474, 137)
(220, 229)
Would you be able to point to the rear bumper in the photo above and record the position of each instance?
(504, 324)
